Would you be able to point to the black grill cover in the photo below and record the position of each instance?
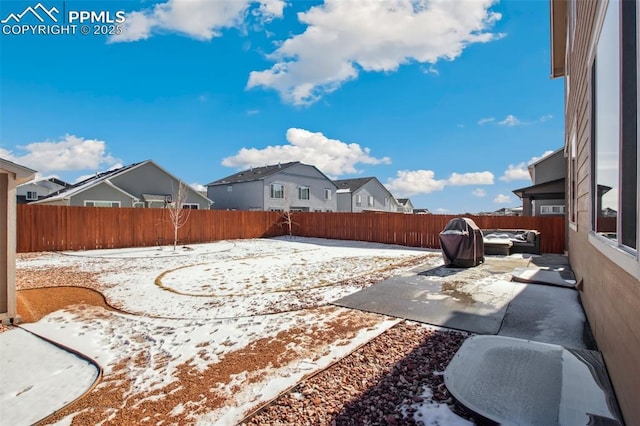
(461, 242)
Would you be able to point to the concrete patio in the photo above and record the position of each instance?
(541, 366)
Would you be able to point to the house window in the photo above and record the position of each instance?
(370, 201)
(229, 188)
(551, 209)
(138, 205)
(327, 194)
(273, 209)
(102, 203)
(32, 195)
(572, 176)
(572, 22)
(358, 200)
(190, 206)
(614, 81)
(386, 201)
(303, 193)
(277, 190)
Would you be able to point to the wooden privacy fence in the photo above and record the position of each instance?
(420, 230)
(56, 228)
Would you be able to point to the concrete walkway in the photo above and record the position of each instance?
(534, 360)
(482, 300)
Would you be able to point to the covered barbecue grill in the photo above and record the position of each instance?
(462, 244)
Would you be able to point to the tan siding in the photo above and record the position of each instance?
(611, 297)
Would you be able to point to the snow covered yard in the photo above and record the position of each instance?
(207, 333)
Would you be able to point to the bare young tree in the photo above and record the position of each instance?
(287, 214)
(287, 219)
(178, 215)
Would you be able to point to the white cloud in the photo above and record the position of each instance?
(479, 192)
(431, 69)
(331, 156)
(517, 172)
(520, 171)
(502, 199)
(83, 177)
(67, 154)
(198, 187)
(343, 38)
(442, 211)
(486, 120)
(544, 154)
(510, 121)
(477, 178)
(199, 19)
(270, 9)
(410, 182)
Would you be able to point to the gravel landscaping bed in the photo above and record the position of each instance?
(391, 380)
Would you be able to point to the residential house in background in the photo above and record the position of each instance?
(144, 185)
(547, 194)
(595, 47)
(11, 175)
(504, 211)
(421, 211)
(34, 191)
(290, 186)
(364, 194)
(404, 205)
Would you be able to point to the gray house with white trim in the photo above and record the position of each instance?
(405, 205)
(365, 194)
(144, 184)
(290, 186)
(546, 197)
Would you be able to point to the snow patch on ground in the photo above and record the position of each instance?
(35, 386)
(193, 306)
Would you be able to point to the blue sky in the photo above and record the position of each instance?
(445, 102)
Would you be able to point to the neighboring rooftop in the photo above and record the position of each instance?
(49, 183)
(351, 185)
(421, 211)
(86, 183)
(254, 173)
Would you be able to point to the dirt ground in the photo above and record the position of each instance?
(33, 304)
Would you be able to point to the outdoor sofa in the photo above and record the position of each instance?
(509, 241)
